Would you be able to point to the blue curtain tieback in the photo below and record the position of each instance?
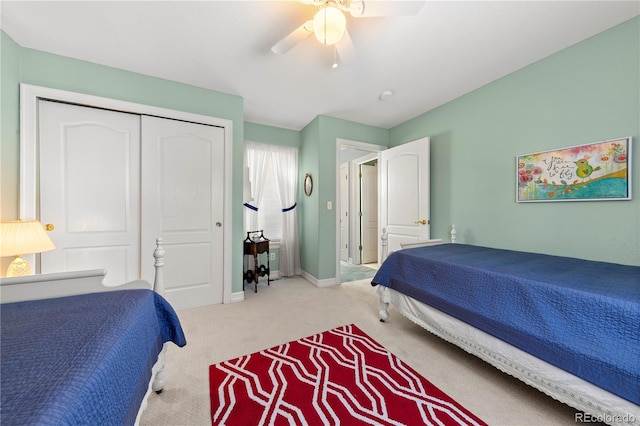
(250, 206)
(289, 208)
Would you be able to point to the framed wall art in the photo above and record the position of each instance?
(595, 171)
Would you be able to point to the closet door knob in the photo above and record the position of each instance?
(218, 224)
(49, 227)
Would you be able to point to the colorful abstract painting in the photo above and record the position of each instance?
(596, 171)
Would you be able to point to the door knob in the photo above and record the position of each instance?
(422, 222)
(49, 227)
(218, 224)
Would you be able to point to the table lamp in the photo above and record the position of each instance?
(22, 237)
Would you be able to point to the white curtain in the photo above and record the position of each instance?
(255, 157)
(285, 166)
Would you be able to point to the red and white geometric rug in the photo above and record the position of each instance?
(340, 376)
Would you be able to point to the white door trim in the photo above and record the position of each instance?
(340, 143)
(29, 96)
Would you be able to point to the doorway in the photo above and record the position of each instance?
(366, 222)
(356, 234)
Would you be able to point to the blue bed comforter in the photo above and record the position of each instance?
(581, 316)
(82, 360)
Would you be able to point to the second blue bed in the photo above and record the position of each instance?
(581, 316)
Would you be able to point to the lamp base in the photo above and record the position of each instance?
(18, 268)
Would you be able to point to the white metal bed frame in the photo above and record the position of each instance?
(61, 284)
(602, 405)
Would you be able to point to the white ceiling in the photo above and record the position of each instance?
(450, 48)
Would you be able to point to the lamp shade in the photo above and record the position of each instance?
(329, 25)
(23, 237)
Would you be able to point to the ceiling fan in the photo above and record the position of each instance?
(329, 23)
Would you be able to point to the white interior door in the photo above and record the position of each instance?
(90, 189)
(183, 202)
(404, 194)
(344, 212)
(369, 212)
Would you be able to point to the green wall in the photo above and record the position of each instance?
(9, 127)
(272, 135)
(586, 93)
(309, 211)
(9, 132)
(318, 157)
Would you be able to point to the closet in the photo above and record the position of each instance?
(111, 182)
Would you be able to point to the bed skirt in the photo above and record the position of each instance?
(553, 381)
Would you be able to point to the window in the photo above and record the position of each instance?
(269, 210)
(261, 190)
(270, 186)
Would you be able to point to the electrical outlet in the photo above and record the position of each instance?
(273, 256)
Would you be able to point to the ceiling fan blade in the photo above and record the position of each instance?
(374, 8)
(295, 37)
(346, 49)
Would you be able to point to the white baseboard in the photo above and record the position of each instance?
(328, 282)
(237, 296)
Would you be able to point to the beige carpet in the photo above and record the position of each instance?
(292, 308)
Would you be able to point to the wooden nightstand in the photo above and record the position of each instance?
(255, 244)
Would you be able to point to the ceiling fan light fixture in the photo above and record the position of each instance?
(329, 25)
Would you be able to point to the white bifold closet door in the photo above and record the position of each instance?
(112, 182)
(183, 202)
(90, 189)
